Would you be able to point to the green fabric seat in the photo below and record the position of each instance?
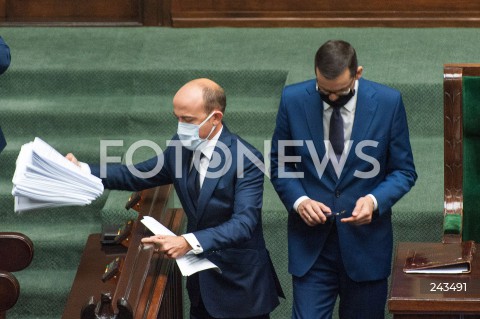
(471, 158)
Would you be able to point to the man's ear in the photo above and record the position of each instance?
(359, 72)
(217, 117)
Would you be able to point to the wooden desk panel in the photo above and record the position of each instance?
(411, 295)
(149, 283)
(88, 280)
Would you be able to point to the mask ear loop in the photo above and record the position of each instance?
(205, 121)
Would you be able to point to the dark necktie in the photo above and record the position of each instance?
(336, 131)
(193, 180)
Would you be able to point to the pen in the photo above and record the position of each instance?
(337, 213)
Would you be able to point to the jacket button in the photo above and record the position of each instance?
(337, 194)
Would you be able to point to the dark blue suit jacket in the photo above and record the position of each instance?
(4, 63)
(3, 142)
(227, 223)
(379, 117)
(4, 56)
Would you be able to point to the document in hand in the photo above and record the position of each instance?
(188, 264)
(45, 178)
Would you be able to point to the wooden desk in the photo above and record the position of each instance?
(88, 280)
(411, 295)
(148, 283)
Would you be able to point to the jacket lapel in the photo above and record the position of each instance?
(364, 113)
(313, 107)
(210, 182)
(186, 158)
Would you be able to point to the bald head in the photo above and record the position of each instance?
(202, 91)
(203, 82)
(196, 101)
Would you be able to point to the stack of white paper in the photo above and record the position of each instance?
(45, 178)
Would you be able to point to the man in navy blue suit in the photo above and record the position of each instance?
(4, 56)
(4, 63)
(341, 158)
(221, 192)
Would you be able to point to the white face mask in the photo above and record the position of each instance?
(189, 134)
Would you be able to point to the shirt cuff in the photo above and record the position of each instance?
(375, 204)
(85, 167)
(194, 243)
(298, 201)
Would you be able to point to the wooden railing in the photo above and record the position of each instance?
(147, 285)
(246, 13)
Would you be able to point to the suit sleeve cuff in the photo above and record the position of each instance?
(375, 203)
(194, 243)
(298, 201)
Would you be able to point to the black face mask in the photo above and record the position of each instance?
(341, 101)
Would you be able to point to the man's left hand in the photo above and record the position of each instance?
(172, 246)
(362, 213)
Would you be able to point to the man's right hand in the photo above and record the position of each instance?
(73, 159)
(313, 212)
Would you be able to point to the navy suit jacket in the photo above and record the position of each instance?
(379, 118)
(4, 56)
(227, 222)
(4, 63)
(3, 142)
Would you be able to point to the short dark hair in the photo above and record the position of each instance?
(214, 99)
(333, 57)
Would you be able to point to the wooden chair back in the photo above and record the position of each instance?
(461, 216)
(16, 253)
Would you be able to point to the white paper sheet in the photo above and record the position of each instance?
(188, 264)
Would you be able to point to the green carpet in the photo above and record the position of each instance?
(75, 86)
